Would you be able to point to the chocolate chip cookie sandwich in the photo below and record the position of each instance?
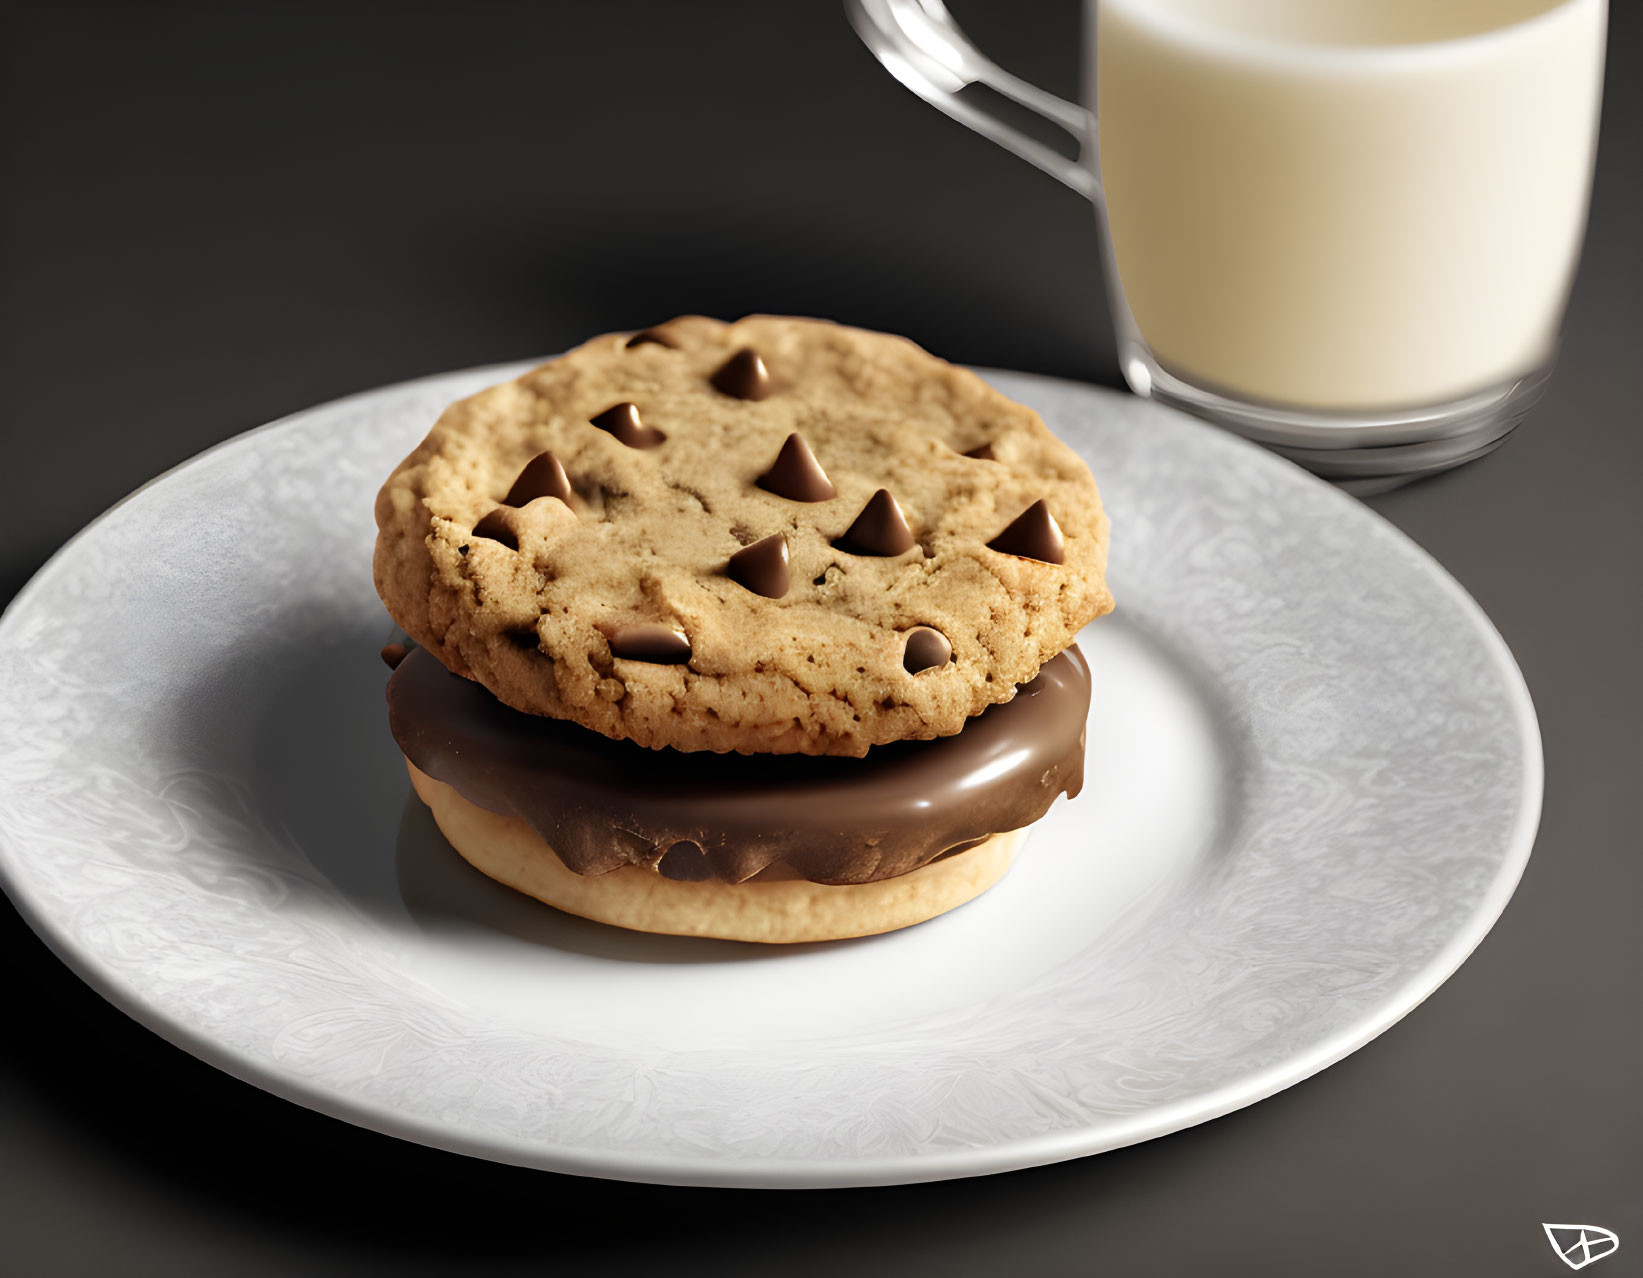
(758, 630)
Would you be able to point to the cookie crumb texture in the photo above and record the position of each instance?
(664, 450)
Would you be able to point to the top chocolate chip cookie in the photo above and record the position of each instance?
(772, 536)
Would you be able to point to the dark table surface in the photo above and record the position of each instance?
(217, 214)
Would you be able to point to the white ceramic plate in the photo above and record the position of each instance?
(1314, 777)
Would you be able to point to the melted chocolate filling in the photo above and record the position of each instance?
(603, 804)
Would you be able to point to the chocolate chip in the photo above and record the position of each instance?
(648, 641)
(394, 653)
(926, 648)
(743, 376)
(622, 420)
(1033, 534)
(881, 529)
(463, 550)
(761, 567)
(686, 862)
(648, 336)
(983, 452)
(796, 474)
(495, 527)
(543, 476)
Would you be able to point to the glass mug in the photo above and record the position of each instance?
(1328, 224)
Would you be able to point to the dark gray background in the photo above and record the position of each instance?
(217, 214)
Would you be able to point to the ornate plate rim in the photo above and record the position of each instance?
(1112, 1133)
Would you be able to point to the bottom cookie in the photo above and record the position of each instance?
(771, 908)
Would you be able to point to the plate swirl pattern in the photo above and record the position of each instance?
(199, 811)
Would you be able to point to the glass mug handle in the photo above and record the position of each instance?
(919, 43)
